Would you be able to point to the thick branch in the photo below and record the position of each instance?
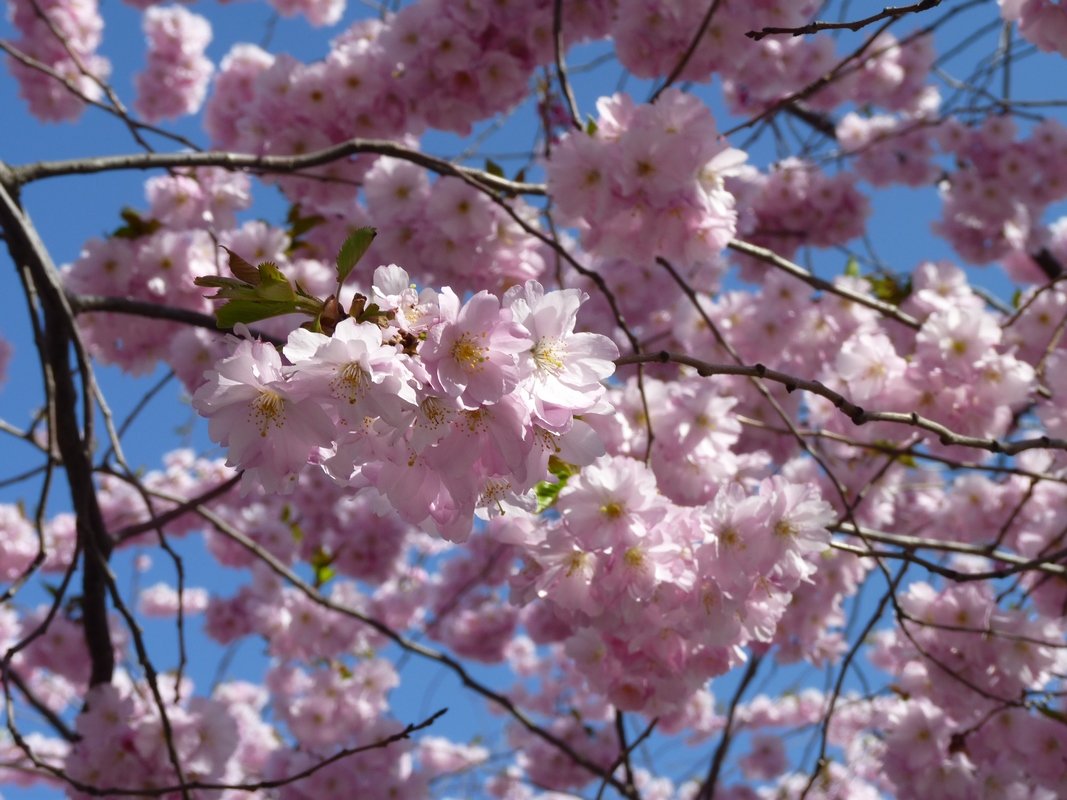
(241, 161)
(28, 251)
(854, 412)
(90, 303)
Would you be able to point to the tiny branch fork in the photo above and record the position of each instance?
(854, 412)
(849, 64)
(889, 12)
(158, 520)
(240, 161)
(694, 43)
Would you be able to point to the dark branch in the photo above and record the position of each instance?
(889, 12)
(283, 164)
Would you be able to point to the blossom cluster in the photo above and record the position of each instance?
(958, 368)
(798, 204)
(441, 406)
(650, 36)
(448, 232)
(648, 181)
(995, 198)
(652, 599)
(175, 81)
(1042, 22)
(155, 257)
(432, 64)
(63, 37)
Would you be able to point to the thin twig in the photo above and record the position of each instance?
(797, 271)
(889, 12)
(561, 65)
(694, 43)
(855, 413)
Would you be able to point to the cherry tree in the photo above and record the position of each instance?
(550, 349)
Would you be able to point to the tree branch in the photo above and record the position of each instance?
(797, 271)
(855, 413)
(889, 12)
(241, 161)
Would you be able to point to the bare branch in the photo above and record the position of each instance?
(91, 303)
(285, 164)
(889, 12)
(689, 51)
(797, 271)
(1046, 563)
(561, 64)
(855, 413)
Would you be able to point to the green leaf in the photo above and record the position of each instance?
(547, 494)
(300, 224)
(493, 168)
(241, 268)
(852, 267)
(369, 313)
(904, 459)
(272, 284)
(321, 563)
(136, 226)
(591, 127)
(352, 251)
(228, 287)
(248, 311)
(1016, 298)
(219, 282)
(890, 288)
(300, 290)
(561, 469)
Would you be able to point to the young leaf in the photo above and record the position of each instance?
(241, 268)
(246, 311)
(299, 224)
(228, 287)
(493, 168)
(890, 288)
(272, 284)
(352, 251)
(547, 494)
(136, 226)
(321, 562)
